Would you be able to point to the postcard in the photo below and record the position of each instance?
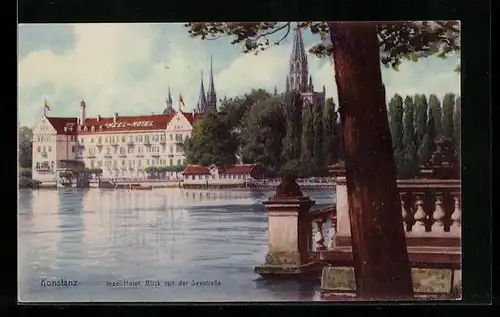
(236, 162)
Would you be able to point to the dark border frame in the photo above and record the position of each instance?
(476, 73)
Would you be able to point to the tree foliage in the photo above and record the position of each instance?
(448, 110)
(421, 107)
(331, 133)
(307, 147)
(25, 147)
(398, 41)
(293, 116)
(435, 109)
(263, 129)
(396, 121)
(211, 141)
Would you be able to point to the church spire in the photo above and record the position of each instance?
(169, 98)
(298, 74)
(211, 95)
(169, 108)
(311, 87)
(202, 101)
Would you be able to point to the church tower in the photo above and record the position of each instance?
(298, 72)
(211, 95)
(169, 108)
(202, 101)
(298, 77)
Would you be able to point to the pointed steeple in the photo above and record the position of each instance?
(311, 87)
(169, 98)
(169, 108)
(275, 91)
(298, 70)
(298, 51)
(287, 87)
(324, 92)
(211, 95)
(202, 101)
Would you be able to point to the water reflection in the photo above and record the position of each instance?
(168, 234)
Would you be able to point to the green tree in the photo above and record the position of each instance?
(357, 50)
(319, 166)
(211, 142)
(263, 129)
(428, 143)
(457, 123)
(293, 117)
(435, 108)
(235, 108)
(25, 147)
(307, 148)
(410, 164)
(448, 113)
(331, 136)
(396, 121)
(421, 108)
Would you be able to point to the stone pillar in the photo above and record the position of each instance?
(289, 230)
(342, 203)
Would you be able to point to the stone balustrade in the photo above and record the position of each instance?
(431, 211)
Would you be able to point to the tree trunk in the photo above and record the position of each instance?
(380, 256)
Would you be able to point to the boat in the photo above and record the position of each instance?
(140, 187)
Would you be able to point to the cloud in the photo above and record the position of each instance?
(121, 68)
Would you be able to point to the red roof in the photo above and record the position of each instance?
(191, 117)
(195, 169)
(240, 169)
(123, 123)
(60, 123)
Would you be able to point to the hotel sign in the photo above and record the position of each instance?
(129, 124)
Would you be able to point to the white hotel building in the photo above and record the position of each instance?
(121, 146)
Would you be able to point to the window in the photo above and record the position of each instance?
(123, 138)
(147, 162)
(184, 162)
(192, 177)
(43, 149)
(171, 149)
(172, 162)
(107, 150)
(81, 140)
(179, 162)
(123, 162)
(100, 139)
(92, 163)
(99, 163)
(38, 149)
(146, 138)
(170, 137)
(72, 149)
(50, 148)
(139, 163)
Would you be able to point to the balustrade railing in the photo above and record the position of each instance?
(431, 207)
(324, 228)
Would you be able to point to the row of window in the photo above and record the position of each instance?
(134, 163)
(223, 176)
(43, 149)
(138, 138)
(44, 165)
(130, 150)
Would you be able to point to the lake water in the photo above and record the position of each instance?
(102, 238)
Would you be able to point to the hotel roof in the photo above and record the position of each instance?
(123, 123)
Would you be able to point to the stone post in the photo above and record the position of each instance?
(289, 231)
(342, 203)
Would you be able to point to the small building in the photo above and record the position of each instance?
(196, 176)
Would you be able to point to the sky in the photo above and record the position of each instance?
(127, 68)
